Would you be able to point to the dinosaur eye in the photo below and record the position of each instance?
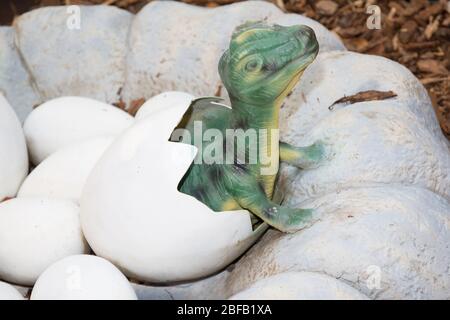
(253, 65)
(269, 67)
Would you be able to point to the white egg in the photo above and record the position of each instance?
(13, 151)
(163, 101)
(299, 286)
(133, 214)
(63, 174)
(62, 121)
(82, 277)
(34, 233)
(8, 292)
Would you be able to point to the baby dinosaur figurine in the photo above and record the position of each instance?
(260, 68)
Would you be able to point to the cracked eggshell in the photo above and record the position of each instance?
(13, 151)
(82, 277)
(8, 292)
(299, 286)
(133, 215)
(63, 174)
(163, 101)
(34, 233)
(62, 121)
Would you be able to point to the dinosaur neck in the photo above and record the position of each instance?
(245, 116)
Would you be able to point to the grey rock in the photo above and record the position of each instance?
(15, 82)
(89, 61)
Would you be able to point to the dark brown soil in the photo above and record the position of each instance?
(415, 33)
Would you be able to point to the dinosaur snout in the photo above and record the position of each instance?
(307, 37)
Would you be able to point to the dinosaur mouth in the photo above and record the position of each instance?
(303, 59)
(299, 65)
(307, 57)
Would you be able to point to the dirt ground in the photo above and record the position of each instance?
(415, 33)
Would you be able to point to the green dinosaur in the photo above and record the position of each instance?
(260, 68)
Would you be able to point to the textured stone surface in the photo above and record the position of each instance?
(15, 83)
(334, 75)
(372, 144)
(400, 234)
(164, 57)
(209, 288)
(87, 62)
(299, 286)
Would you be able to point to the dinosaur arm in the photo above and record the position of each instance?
(248, 193)
(302, 157)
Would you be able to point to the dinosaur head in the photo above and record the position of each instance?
(263, 63)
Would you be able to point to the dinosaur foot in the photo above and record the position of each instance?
(291, 220)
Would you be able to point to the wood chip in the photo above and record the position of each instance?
(431, 80)
(363, 96)
(135, 105)
(446, 22)
(413, 7)
(431, 28)
(431, 66)
(407, 31)
(326, 7)
(120, 104)
(421, 45)
(429, 11)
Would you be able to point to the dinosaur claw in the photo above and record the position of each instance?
(293, 220)
(313, 155)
